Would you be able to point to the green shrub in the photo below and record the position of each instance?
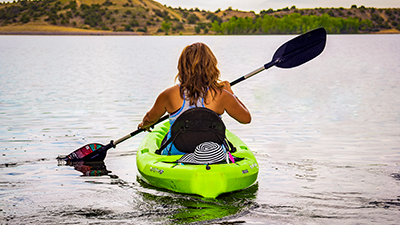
(127, 28)
(25, 19)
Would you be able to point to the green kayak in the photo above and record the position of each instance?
(208, 181)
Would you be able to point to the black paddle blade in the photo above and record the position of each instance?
(300, 49)
(89, 152)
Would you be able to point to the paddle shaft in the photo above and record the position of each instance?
(138, 131)
(266, 66)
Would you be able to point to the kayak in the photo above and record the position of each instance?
(208, 181)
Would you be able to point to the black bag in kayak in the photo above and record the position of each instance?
(193, 127)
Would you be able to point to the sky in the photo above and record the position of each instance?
(258, 5)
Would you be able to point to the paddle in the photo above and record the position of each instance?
(295, 52)
(291, 54)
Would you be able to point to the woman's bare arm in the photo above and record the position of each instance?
(155, 113)
(233, 106)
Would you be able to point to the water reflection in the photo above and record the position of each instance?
(161, 204)
(92, 169)
(190, 208)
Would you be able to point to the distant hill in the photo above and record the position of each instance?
(149, 17)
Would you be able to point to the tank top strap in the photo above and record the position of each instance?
(185, 106)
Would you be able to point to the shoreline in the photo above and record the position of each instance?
(120, 33)
(31, 29)
(71, 33)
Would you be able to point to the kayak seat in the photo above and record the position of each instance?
(196, 126)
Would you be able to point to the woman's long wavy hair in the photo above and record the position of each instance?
(198, 72)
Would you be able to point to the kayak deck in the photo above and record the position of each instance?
(162, 171)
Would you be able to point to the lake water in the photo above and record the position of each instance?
(326, 134)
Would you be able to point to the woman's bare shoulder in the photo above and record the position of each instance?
(171, 98)
(225, 94)
(171, 90)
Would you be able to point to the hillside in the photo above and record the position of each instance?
(149, 17)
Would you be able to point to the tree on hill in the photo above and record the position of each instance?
(165, 26)
(290, 24)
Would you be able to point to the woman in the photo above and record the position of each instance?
(199, 86)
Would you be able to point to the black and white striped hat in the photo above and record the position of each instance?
(205, 153)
